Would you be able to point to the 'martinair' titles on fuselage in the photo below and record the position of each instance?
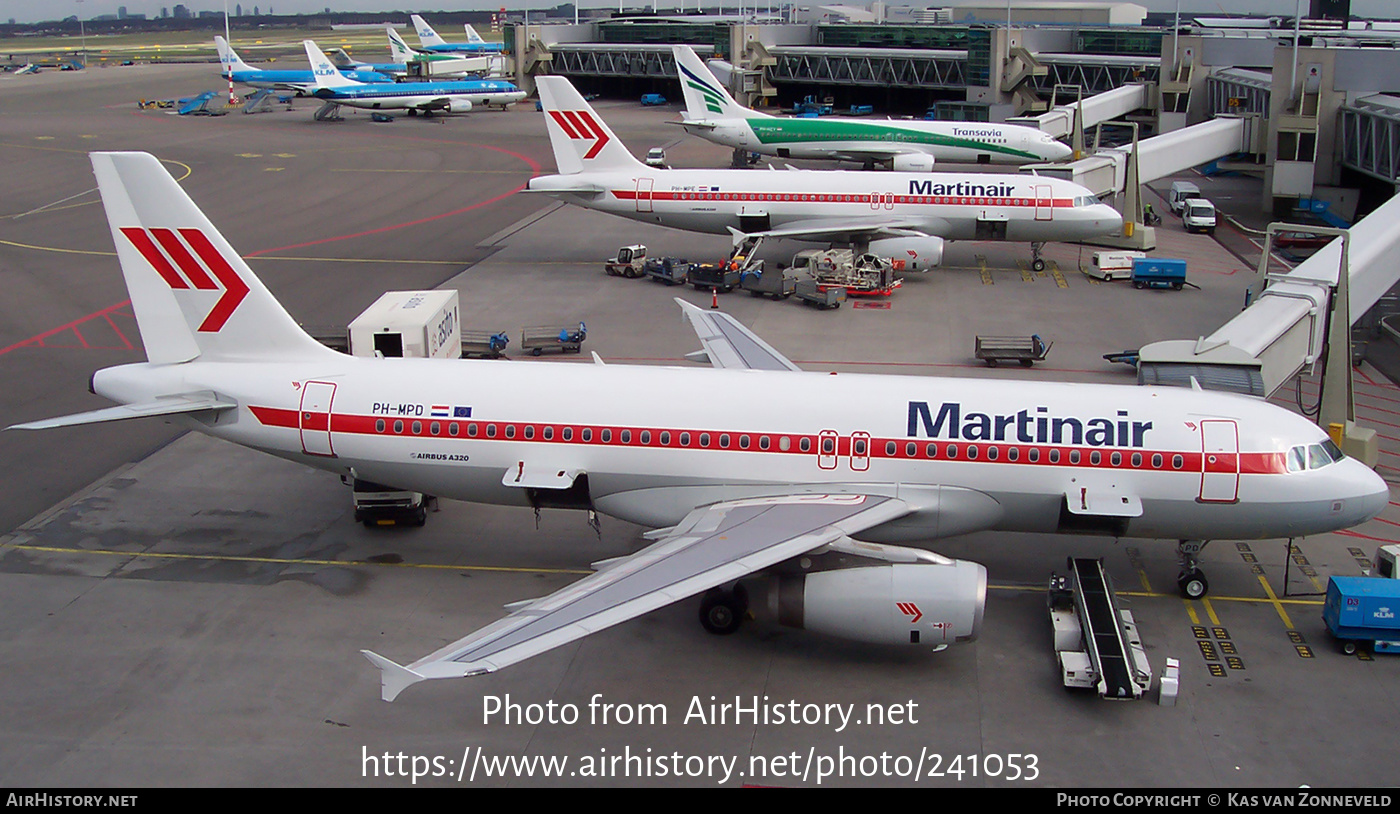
(1038, 427)
(963, 189)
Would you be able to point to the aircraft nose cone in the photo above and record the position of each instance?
(1375, 494)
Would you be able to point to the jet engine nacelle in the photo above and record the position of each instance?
(910, 253)
(912, 162)
(902, 603)
(458, 106)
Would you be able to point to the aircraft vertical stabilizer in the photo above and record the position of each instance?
(228, 58)
(192, 294)
(398, 49)
(326, 74)
(473, 37)
(581, 140)
(426, 35)
(705, 98)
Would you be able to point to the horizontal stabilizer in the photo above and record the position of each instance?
(167, 405)
(393, 678)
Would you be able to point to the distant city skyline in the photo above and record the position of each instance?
(27, 11)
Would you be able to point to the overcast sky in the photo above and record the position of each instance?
(30, 11)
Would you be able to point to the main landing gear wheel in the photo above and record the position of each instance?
(1193, 584)
(721, 611)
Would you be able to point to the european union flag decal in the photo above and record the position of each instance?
(461, 412)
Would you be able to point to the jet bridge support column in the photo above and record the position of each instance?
(1136, 235)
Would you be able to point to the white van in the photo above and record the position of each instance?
(1181, 192)
(1113, 265)
(1199, 216)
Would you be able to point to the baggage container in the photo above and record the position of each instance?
(413, 324)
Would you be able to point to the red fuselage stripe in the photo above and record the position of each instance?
(994, 452)
(875, 201)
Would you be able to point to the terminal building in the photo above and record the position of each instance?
(1317, 99)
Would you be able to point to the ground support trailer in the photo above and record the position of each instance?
(562, 338)
(1362, 612)
(1026, 350)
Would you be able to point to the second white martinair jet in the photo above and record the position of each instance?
(910, 146)
(889, 214)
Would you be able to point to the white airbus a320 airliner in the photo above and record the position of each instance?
(893, 212)
(811, 478)
(904, 145)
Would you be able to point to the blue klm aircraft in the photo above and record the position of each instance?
(303, 82)
(433, 43)
(427, 97)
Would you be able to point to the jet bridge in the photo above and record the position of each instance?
(1284, 330)
(1125, 169)
(1101, 107)
(1106, 172)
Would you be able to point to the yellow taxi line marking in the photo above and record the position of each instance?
(282, 561)
(1274, 600)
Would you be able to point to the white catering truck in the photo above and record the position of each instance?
(418, 324)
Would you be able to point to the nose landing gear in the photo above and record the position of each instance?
(1192, 580)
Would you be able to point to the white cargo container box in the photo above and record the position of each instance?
(419, 324)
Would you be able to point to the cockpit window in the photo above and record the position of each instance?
(1313, 456)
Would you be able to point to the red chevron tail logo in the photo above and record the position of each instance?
(580, 124)
(910, 609)
(187, 254)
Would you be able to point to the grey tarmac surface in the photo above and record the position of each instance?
(179, 611)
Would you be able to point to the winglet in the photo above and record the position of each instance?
(393, 678)
(728, 344)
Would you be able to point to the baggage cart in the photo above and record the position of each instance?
(812, 293)
(713, 277)
(1024, 349)
(486, 344)
(668, 270)
(562, 338)
(777, 284)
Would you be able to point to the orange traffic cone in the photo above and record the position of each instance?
(714, 298)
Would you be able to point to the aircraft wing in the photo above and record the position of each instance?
(440, 103)
(714, 545)
(849, 230)
(728, 344)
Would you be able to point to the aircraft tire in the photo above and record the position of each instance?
(1193, 584)
(722, 612)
